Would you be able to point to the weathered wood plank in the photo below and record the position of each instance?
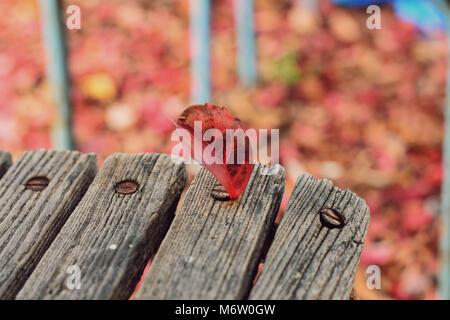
(213, 247)
(31, 219)
(308, 260)
(111, 236)
(5, 162)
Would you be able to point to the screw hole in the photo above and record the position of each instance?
(37, 183)
(331, 218)
(219, 193)
(127, 187)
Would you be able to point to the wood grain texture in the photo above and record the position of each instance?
(213, 247)
(307, 260)
(5, 162)
(30, 220)
(111, 236)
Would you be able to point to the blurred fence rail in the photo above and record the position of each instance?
(53, 31)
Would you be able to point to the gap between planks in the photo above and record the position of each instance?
(30, 220)
(110, 237)
(305, 260)
(213, 248)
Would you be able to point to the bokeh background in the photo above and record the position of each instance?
(361, 107)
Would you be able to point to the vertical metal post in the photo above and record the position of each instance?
(200, 48)
(312, 5)
(445, 240)
(57, 71)
(444, 275)
(245, 34)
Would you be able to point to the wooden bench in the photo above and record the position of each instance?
(57, 212)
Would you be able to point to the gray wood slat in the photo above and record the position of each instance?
(30, 220)
(213, 248)
(308, 260)
(111, 236)
(5, 162)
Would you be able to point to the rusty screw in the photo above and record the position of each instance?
(127, 187)
(219, 193)
(331, 218)
(37, 184)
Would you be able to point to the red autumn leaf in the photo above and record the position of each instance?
(231, 174)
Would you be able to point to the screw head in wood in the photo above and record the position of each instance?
(127, 187)
(219, 193)
(37, 183)
(331, 218)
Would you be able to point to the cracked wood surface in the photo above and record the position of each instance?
(111, 236)
(30, 220)
(308, 260)
(213, 247)
(211, 251)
